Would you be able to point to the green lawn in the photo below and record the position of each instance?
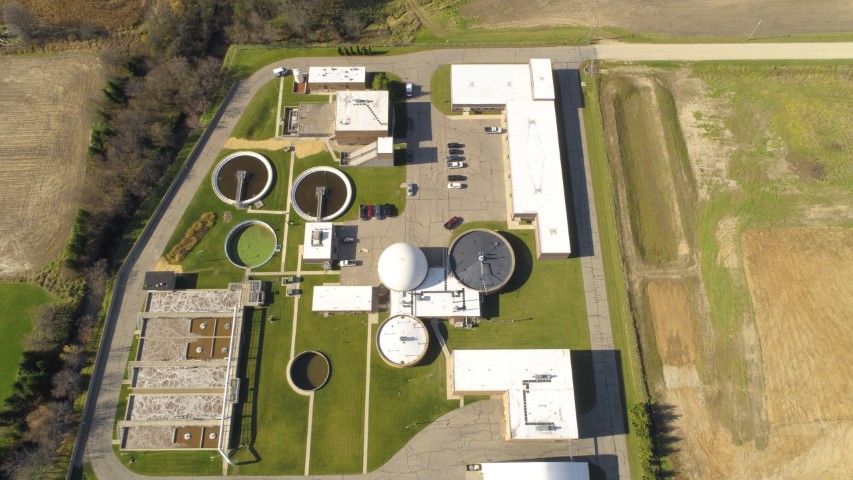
(18, 302)
(338, 425)
(403, 401)
(258, 120)
(208, 258)
(439, 86)
(271, 411)
(199, 462)
(542, 306)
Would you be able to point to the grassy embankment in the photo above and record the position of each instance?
(258, 120)
(16, 312)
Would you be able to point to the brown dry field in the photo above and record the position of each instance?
(670, 17)
(112, 15)
(45, 116)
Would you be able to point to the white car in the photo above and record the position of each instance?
(455, 164)
(494, 130)
(454, 185)
(347, 263)
(410, 189)
(409, 90)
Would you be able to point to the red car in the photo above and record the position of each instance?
(452, 223)
(370, 212)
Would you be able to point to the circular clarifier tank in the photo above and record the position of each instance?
(482, 260)
(309, 371)
(336, 196)
(242, 178)
(251, 244)
(402, 341)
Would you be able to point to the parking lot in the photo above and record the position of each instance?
(482, 197)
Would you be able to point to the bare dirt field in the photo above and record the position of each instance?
(668, 17)
(746, 339)
(45, 120)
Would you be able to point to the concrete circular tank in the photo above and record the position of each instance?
(242, 178)
(325, 187)
(309, 371)
(402, 341)
(482, 260)
(251, 243)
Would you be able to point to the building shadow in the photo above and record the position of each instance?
(245, 426)
(601, 371)
(186, 281)
(434, 348)
(570, 101)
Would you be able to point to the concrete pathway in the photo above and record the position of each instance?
(467, 434)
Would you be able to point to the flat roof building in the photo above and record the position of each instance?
(437, 296)
(536, 171)
(361, 116)
(343, 298)
(317, 242)
(537, 388)
(331, 79)
(529, 471)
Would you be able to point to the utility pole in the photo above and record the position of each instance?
(753, 30)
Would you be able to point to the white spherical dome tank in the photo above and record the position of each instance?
(402, 267)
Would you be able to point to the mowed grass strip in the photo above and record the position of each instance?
(274, 418)
(403, 401)
(645, 166)
(18, 303)
(338, 421)
(196, 463)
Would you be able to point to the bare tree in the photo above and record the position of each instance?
(66, 384)
(353, 25)
(19, 21)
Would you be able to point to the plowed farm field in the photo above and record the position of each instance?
(45, 120)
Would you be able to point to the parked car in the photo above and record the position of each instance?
(380, 212)
(456, 178)
(370, 212)
(362, 212)
(409, 89)
(410, 156)
(347, 263)
(456, 151)
(452, 223)
(389, 210)
(410, 125)
(410, 189)
(455, 145)
(348, 240)
(452, 185)
(454, 158)
(279, 72)
(455, 164)
(494, 130)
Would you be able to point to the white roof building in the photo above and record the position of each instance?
(361, 111)
(402, 267)
(534, 471)
(385, 145)
(355, 75)
(317, 242)
(437, 296)
(342, 298)
(539, 399)
(489, 84)
(536, 174)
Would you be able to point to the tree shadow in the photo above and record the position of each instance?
(663, 423)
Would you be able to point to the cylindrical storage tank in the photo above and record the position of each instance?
(482, 260)
(309, 371)
(402, 341)
(298, 76)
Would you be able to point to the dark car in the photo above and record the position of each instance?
(369, 212)
(362, 212)
(410, 125)
(454, 158)
(456, 178)
(410, 156)
(456, 151)
(455, 145)
(389, 210)
(380, 212)
(452, 223)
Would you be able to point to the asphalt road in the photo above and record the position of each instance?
(460, 437)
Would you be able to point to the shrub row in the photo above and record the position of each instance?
(194, 234)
